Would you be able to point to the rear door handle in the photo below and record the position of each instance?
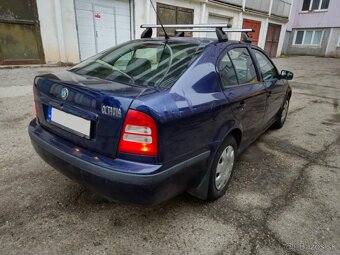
(241, 105)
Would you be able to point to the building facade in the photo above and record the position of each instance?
(314, 28)
(67, 31)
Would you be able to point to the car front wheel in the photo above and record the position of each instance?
(222, 168)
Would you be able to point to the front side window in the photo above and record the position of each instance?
(308, 37)
(268, 70)
(244, 66)
(142, 63)
(311, 5)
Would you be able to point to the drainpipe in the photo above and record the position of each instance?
(148, 6)
(270, 8)
(204, 5)
(60, 30)
(236, 36)
(203, 20)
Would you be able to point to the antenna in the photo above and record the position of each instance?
(165, 34)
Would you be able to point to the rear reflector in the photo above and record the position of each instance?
(139, 135)
(35, 104)
(35, 109)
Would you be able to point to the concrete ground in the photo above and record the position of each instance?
(284, 196)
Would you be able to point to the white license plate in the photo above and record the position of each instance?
(74, 123)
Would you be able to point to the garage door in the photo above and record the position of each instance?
(256, 25)
(272, 39)
(213, 19)
(20, 41)
(101, 24)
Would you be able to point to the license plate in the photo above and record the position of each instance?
(75, 124)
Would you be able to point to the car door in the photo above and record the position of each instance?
(245, 93)
(275, 87)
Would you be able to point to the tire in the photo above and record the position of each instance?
(221, 173)
(282, 116)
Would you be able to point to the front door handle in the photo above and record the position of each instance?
(269, 94)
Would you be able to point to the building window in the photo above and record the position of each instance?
(171, 14)
(311, 5)
(308, 37)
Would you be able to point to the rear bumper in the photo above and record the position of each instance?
(118, 179)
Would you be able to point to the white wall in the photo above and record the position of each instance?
(314, 19)
(59, 34)
(58, 31)
(235, 16)
(333, 49)
(144, 14)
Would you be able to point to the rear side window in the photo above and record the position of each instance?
(244, 66)
(236, 67)
(268, 70)
(227, 72)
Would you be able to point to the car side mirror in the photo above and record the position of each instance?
(287, 75)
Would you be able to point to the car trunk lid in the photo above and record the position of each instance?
(87, 111)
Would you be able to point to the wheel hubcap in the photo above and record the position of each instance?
(284, 111)
(224, 167)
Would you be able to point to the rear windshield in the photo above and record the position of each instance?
(142, 63)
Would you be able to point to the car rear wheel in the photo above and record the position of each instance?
(282, 115)
(222, 168)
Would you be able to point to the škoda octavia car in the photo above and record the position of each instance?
(152, 118)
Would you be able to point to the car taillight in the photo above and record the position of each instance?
(139, 134)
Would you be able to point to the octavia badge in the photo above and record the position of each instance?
(64, 93)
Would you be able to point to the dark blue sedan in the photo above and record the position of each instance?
(152, 118)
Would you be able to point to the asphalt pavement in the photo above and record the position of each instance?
(284, 197)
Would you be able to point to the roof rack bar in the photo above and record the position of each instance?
(213, 30)
(223, 25)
